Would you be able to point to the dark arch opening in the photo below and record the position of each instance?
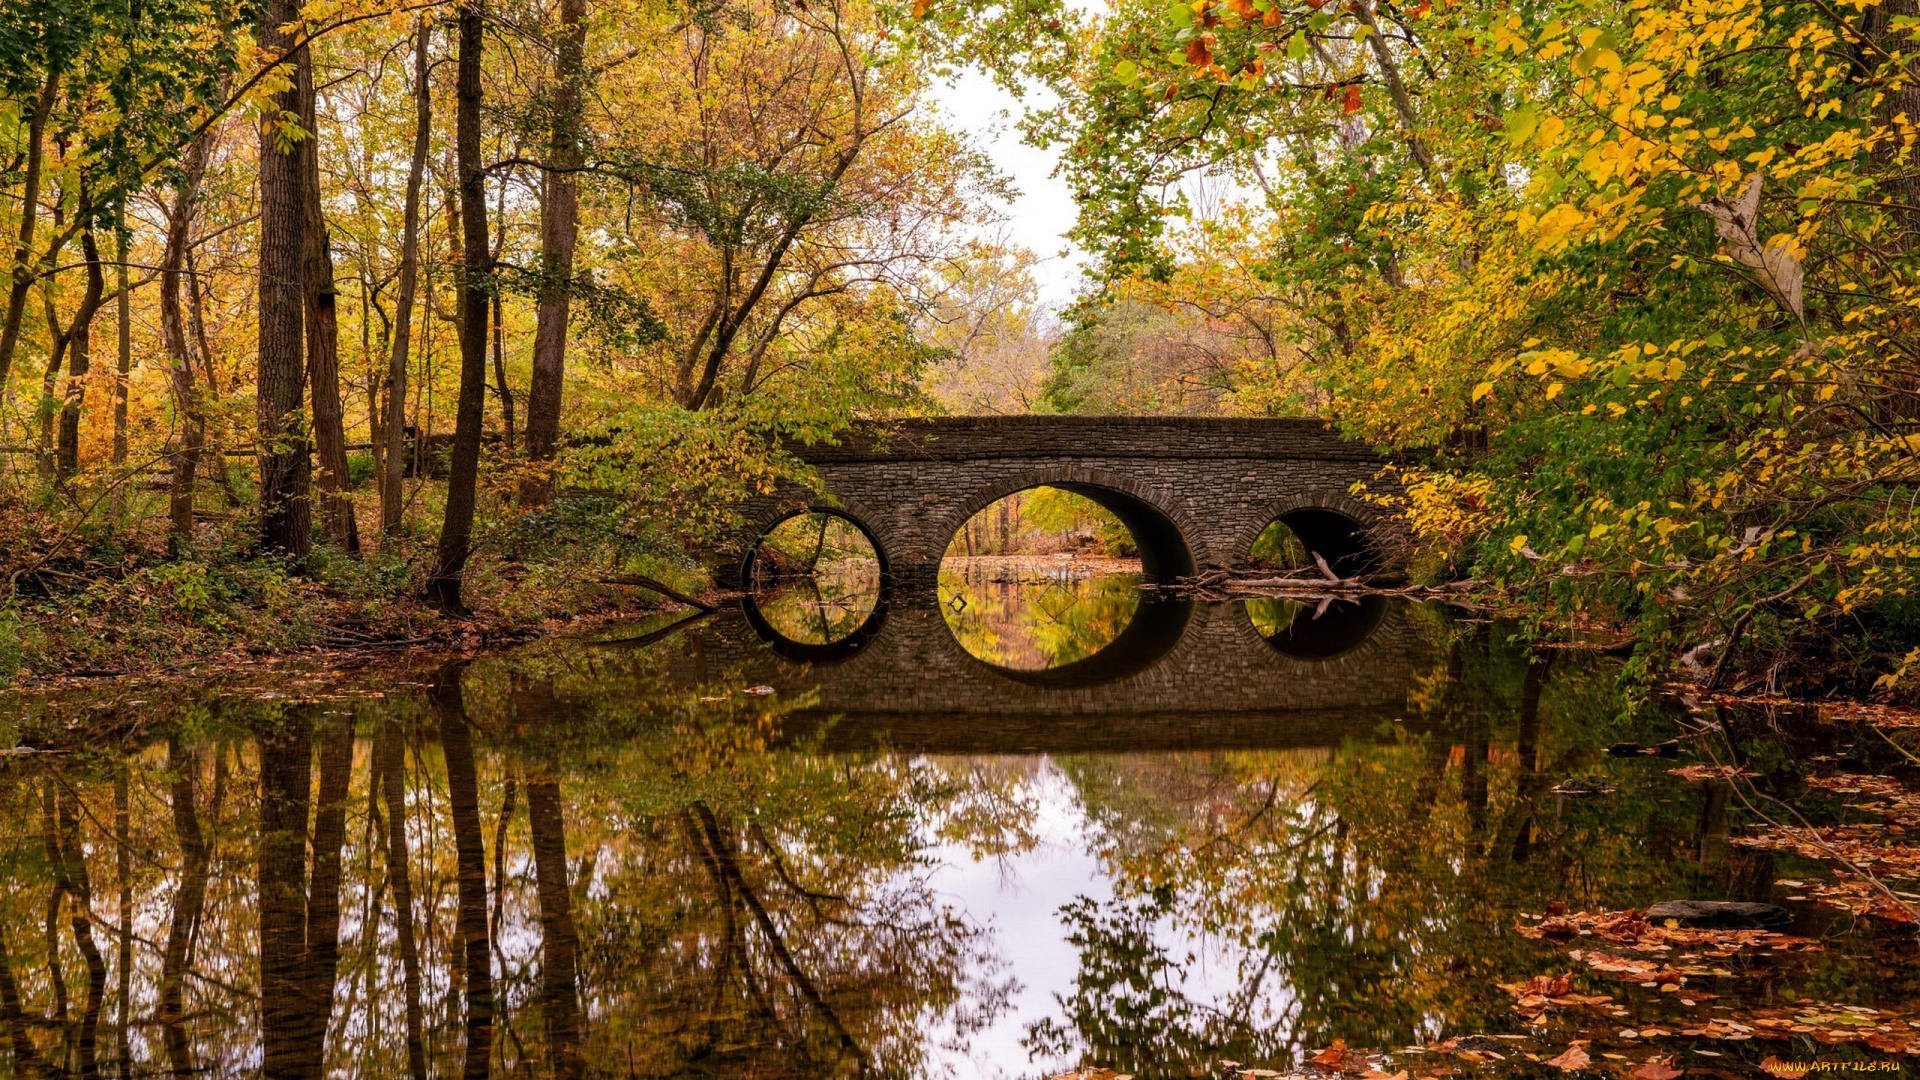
(809, 652)
(749, 563)
(1335, 537)
(1310, 631)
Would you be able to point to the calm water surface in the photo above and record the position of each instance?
(1029, 821)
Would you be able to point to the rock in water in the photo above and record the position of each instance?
(1721, 914)
(1582, 787)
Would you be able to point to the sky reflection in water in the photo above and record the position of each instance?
(1273, 826)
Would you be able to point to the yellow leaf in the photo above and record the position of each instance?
(1482, 390)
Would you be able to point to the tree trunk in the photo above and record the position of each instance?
(1402, 101)
(456, 528)
(23, 275)
(188, 902)
(67, 456)
(559, 235)
(122, 370)
(396, 457)
(500, 323)
(73, 855)
(285, 471)
(123, 366)
(323, 329)
(391, 764)
(58, 341)
(187, 401)
(559, 943)
(286, 771)
(321, 958)
(500, 363)
(123, 913)
(215, 436)
(470, 860)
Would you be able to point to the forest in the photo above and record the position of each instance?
(369, 321)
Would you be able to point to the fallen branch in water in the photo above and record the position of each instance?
(638, 582)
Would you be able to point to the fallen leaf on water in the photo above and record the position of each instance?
(1656, 1070)
(1333, 1057)
(1574, 1058)
(759, 691)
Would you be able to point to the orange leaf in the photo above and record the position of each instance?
(1333, 1057)
(1574, 1058)
(1352, 102)
(1656, 1070)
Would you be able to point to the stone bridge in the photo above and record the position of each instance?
(1194, 491)
(1183, 675)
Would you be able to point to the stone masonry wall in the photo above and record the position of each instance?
(1218, 481)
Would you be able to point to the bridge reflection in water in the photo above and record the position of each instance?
(1181, 674)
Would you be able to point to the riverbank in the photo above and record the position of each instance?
(161, 618)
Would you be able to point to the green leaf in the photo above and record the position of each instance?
(1181, 14)
(1127, 72)
(1520, 124)
(1297, 47)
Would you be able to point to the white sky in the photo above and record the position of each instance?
(1045, 210)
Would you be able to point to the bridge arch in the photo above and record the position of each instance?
(1332, 524)
(1159, 526)
(761, 526)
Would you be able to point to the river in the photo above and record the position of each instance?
(1035, 821)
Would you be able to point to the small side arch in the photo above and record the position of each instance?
(767, 524)
(1160, 528)
(1332, 524)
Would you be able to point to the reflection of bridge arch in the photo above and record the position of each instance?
(1221, 684)
(1314, 634)
(1158, 625)
(808, 652)
(1153, 517)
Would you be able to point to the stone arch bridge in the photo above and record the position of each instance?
(1195, 492)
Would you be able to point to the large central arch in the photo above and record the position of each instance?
(1159, 529)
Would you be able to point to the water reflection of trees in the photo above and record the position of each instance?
(610, 860)
(823, 606)
(445, 883)
(1363, 893)
(1036, 619)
